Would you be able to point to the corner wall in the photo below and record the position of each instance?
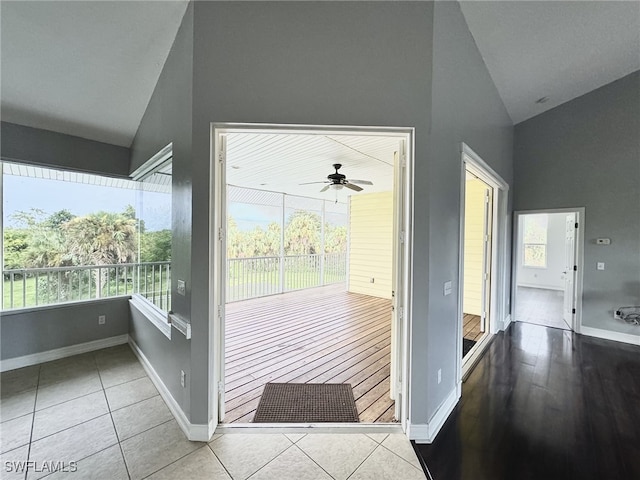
(586, 153)
(168, 119)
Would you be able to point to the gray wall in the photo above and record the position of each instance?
(586, 153)
(35, 331)
(44, 147)
(466, 108)
(168, 119)
(327, 63)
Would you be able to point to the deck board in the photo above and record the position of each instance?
(471, 327)
(320, 335)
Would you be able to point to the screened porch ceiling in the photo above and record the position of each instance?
(276, 162)
(280, 162)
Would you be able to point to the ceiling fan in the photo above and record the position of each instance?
(337, 181)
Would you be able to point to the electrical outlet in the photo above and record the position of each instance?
(600, 265)
(182, 288)
(183, 378)
(102, 319)
(439, 375)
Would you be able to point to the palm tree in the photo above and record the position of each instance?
(101, 238)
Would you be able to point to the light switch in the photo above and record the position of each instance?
(600, 266)
(447, 288)
(182, 290)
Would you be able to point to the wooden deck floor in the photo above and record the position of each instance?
(471, 327)
(322, 335)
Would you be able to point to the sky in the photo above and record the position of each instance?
(25, 193)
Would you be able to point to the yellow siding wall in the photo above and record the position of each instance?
(371, 244)
(473, 245)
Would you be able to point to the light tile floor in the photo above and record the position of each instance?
(100, 411)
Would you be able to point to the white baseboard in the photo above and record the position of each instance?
(58, 353)
(506, 322)
(609, 335)
(194, 432)
(426, 433)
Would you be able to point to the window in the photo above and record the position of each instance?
(535, 240)
(153, 207)
(71, 236)
(67, 236)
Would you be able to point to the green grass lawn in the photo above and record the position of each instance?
(19, 300)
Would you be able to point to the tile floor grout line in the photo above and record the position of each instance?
(365, 459)
(307, 455)
(135, 403)
(270, 461)
(33, 421)
(401, 458)
(176, 460)
(220, 461)
(115, 430)
(146, 430)
(69, 400)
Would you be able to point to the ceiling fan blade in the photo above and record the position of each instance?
(361, 182)
(325, 188)
(312, 183)
(353, 187)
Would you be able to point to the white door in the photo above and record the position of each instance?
(569, 268)
(397, 317)
(486, 257)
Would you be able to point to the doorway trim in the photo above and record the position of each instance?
(499, 309)
(576, 323)
(217, 210)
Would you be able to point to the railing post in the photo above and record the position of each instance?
(322, 243)
(282, 262)
(99, 282)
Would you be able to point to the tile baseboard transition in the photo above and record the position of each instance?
(609, 335)
(58, 353)
(426, 433)
(194, 432)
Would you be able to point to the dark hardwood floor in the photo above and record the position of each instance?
(545, 404)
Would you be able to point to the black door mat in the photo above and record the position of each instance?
(306, 403)
(466, 346)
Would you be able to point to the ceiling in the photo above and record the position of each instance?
(88, 68)
(555, 49)
(280, 162)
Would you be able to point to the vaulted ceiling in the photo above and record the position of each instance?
(88, 68)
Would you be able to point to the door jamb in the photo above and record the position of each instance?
(498, 311)
(576, 323)
(215, 255)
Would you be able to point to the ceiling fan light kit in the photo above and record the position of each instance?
(337, 181)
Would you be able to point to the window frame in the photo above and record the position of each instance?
(526, 244)
(160, 318)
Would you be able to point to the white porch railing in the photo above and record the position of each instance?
(260, 276)
(246, 278)
(32, 287)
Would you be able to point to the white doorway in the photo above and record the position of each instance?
(482, 301)
(295, 168)
(547, 268)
